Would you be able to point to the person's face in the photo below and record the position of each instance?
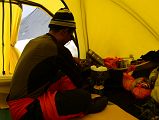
(67, 35)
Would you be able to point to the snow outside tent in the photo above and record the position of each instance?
(111, 28)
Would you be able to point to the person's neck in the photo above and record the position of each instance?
(56, 35)
(53, 34)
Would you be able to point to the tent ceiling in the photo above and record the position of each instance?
(115, 27)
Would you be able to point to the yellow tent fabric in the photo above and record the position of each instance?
(14, 53)
(121, 27)
(50, 6)
(109, 27)
(9, 24)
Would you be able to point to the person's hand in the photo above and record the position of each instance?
(80, 62)
(77, 60)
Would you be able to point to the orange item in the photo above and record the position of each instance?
(128, 81)
(141, 93)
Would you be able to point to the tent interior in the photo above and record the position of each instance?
(111, 28)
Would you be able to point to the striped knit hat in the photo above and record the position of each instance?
(63, 17)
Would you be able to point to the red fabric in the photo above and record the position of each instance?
(136, 86)
(128, 81)
(48, 106)
(62, 84)
(141, 93)
(111, 62)
(131, 68)
(18, 107)
(47, 101)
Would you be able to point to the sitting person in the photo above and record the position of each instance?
(47, 82)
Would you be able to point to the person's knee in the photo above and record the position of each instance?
(72, 101)
(97, 105)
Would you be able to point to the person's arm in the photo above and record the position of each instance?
(68, 66)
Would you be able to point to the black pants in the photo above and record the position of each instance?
(34, 111)
(68, 102)
(72, 101)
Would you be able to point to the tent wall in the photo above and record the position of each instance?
(77, 8)
(122, 27)
(9, 25)
(109, 27)
(50, 6)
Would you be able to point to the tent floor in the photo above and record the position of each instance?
(111, 112)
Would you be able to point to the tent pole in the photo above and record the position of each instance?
(76, 43)
(75, 39)
(64, 4)
(10, 3)
(3, 16)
